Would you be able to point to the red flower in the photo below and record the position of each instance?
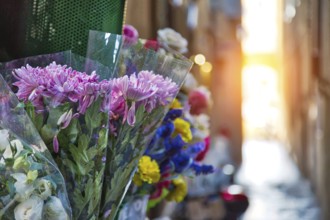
(160, 186)
(202, 154)
(198, 102)
(152, 44)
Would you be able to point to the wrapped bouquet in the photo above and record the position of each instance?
(31, 185)
(95, 116)
(177, 147)
(146, 84)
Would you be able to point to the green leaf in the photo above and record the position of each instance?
(103, 139)
(93, 116)
(47, 133)
(55, 113)
(140, 113)
(96, 196)
(71, 165)
(153, 202)
(73, 130)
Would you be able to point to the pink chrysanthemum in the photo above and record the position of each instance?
(57, 84)
(145, 88)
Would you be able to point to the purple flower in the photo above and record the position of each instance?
(105, 93)
(130, 91)
(166, 92)
(89, 94)
(56, 144)
(146, 88)
(31, 84)
(59, 84)
(131, 35)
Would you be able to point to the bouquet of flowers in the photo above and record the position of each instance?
(96, 119)
(70, 109)
(31, 185)
(175, 148)
(146, 85)
(174, 153)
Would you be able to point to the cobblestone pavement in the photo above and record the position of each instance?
(275, 187)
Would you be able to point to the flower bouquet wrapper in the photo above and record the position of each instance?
(135, 208)
(67, 98)
(31, 185)
(144, 85)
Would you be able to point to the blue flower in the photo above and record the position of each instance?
(181, 162)
(165, 130)
(173, 114)
(201, 168)
(194, 149)
(173, 145)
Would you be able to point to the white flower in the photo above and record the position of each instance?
(16, 144)
(44, 188)
(5, 145)
(172, 39)
(190, 83)
(4, 139)
(202, 124)
(30, 209)
(23, 188)
(54, 210)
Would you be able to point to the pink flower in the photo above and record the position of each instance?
(146, 88)
(89, 94)
(31, 84)
(198, 101)
(131, 35)
(59, 84)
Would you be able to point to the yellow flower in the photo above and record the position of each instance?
(148, 171)
(183, 127)
(176, 104)
(180, 190)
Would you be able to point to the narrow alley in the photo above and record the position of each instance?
(275, 187)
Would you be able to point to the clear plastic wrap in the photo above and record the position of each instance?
(68, 103)
(131, 133)
(31, 185)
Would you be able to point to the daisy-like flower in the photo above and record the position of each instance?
(145, 88)
(58, 84)
(32, 83)
(166, 92)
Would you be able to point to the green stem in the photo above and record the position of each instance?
(2, 211)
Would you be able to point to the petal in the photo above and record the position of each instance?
(55, 144)
(131, 115)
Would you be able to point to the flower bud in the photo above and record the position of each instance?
(54, 210)
(29, 209)
(44, 188)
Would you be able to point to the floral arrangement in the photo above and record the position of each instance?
(31, 186)
(95, 121)
(175, 152)
(181, 142)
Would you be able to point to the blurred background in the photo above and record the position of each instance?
(265, 63)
